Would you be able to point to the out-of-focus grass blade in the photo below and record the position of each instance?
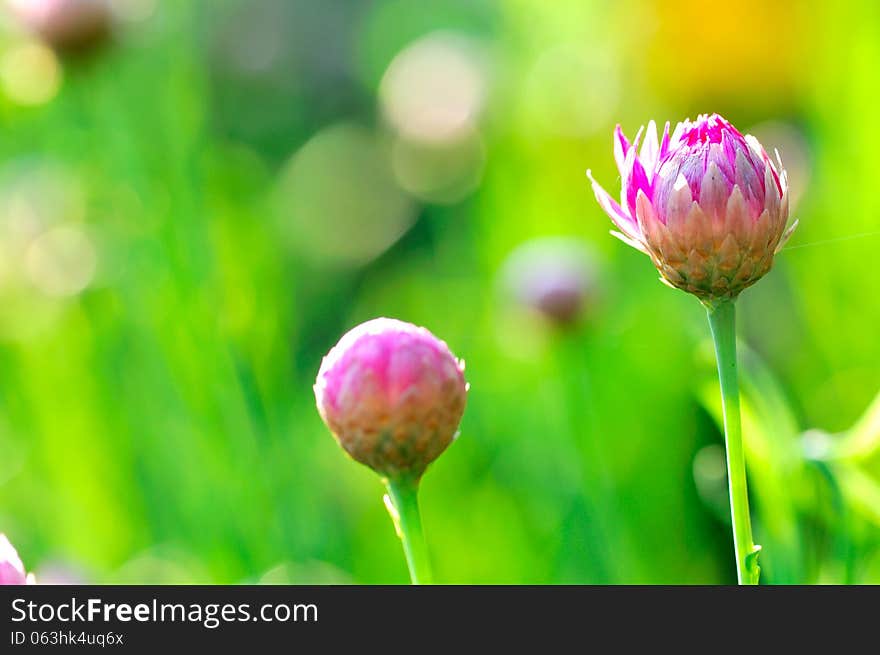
(863, 439)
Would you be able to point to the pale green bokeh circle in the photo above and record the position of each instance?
(337, 198)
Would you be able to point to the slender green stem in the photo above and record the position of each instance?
(722, 320)
(404, 508)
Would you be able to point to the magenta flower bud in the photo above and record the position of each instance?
(11, 569)
(706, 204)
(69, 25)
(393, 395)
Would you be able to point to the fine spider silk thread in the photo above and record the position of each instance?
(851, 237)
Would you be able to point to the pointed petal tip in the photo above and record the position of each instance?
(638, 138)
(630, 241)
(594, 183)
(614, 211)
(786, 236)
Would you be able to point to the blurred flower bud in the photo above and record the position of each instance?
(393, 395)
(67, 25)
(706, 204)
(554, 276)
(11, 569)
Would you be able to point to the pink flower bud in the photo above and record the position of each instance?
(393, 395)
(11, 569)
(706, 204)
(553, 276)
(70, 25)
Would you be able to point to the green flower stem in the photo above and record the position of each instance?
(722, 321)
(404, 497)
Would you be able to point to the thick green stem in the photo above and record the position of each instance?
(722, 320)
(404, 509)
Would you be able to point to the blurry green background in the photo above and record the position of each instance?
(192, 214)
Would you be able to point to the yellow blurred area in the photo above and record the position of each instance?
(695, 50)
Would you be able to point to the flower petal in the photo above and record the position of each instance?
(724, 157)
(675, 140)
(772, 196)
(693, 169)
(786, 235)
(638, 139)
(760, 155)
(621, 147)
(680, 200)
(636, 181)
(664, 144)
(650, 148)
(749, 183)
(738, 219)
(714, 192)
(650, 226)
(617, 215)
(638, 245)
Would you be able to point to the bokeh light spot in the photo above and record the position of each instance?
(442, 173)
(133, 11)
(338, 200)
(435, 89)
(61, 262)
(30, 73)
(571, 90)
(710, 477)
